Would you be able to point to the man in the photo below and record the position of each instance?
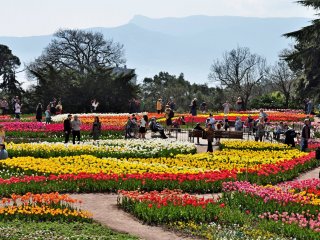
(67, 128)
(305, 135)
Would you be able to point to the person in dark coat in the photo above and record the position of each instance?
(67, 128)
(39, 112)
(289, 134)
(96, 129)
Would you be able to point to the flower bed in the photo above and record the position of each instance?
(107, 148)
(41, 207)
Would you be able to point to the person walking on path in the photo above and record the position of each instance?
(305, 135)
(17, 109)
(76, 126)
(96, 129)
(39, 112)
(67, 128)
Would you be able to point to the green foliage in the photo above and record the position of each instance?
(8, 64)
(273, 100)
(18, 229)
(165, 86)
(78, 66)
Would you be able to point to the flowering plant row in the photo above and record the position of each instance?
(107, 148)
(276, 203)
(41, 207)
(252, 145)
(207, 181)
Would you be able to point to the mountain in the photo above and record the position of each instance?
(188, 45)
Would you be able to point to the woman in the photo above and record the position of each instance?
(260, 129)
(39, 112)
(96, 129)
(76, 125)
(193, 107)
(143, 125)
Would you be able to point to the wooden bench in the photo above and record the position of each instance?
(195, 133)
(228, 134)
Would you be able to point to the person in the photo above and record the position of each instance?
(17, 109)
(94, 105)
(249, 123)
(96, 129)
(52, 104)
(289, 134)
(305, 135)
(143, 126)
(226, 108)
(226, 123)
(260, 129)
(238, 124)
(156, 127)
(159, 106)
(172, 104)
(279, 130)
(309, 106)
(218, 128)
(2, 134)
(203, 107)
(134, 125)
(5, 106)
(239, 104)
(48, 115)
(59, 108)
(199, 128)
(13, 102)
(67, 128)
(209, 132)
(39, 112)
(263, 115)
(76, 126)
(128, 128)
(169, 114)
(193, 107)
(3, 152)
(211, 120)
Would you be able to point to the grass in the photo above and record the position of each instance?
(58, 230)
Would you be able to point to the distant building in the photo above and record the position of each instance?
(124, 71)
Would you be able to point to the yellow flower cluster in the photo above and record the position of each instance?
(240, 144)
(226, 159)
(41, 210)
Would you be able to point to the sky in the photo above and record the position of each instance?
(41, 17)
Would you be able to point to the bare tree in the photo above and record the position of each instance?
(239, 71)
(283, 78)
(82, 51)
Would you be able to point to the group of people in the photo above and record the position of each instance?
(160, 107)
(53, 108)
(203, 106)
(74, 126)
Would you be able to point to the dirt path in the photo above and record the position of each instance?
(104, 209)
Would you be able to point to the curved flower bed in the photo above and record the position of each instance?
(108, 148)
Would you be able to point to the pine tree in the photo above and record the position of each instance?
(305, 56)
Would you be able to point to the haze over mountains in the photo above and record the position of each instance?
(176, 45)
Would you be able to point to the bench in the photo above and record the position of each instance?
(228, 134)
(195, 133)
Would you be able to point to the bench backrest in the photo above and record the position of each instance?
(228, 134)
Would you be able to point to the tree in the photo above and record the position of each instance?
(239, 71)
(77, 66)
(305, 57)
(8, 65)
(283, 79)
